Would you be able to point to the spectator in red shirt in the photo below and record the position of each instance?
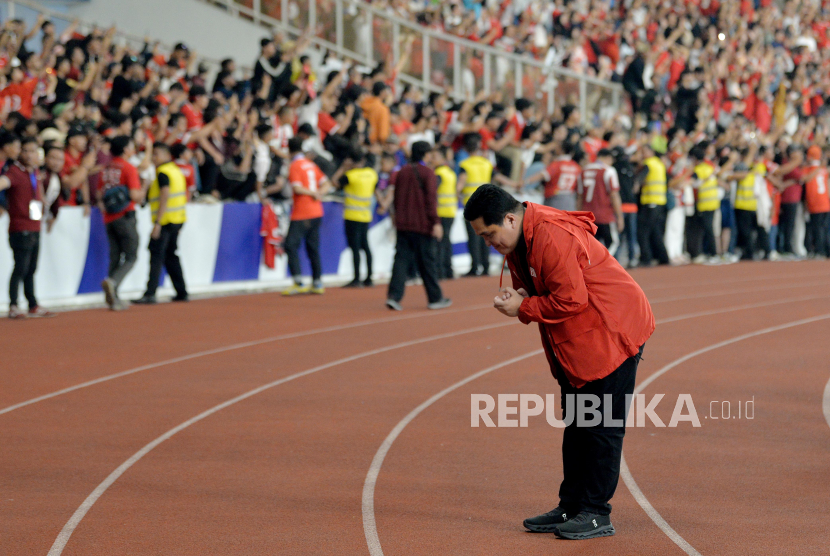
(194, 109)
(790, 197)
(24, 182)
(560, 177)
(78, 163)
(120, 189)
(18, 96)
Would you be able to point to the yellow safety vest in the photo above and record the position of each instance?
(745, 198)
(653, 191)
(479, 171)
(360, 193)
(447, 193)
(175, 212)
(707, 191)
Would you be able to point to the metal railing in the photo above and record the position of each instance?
(355, 29)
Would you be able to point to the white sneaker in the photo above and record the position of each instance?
(440, 304)
(700, 259)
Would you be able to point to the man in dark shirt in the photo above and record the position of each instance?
(418, 226)
(24, 184)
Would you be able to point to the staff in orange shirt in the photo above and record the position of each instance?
(594, 321)
(310, 184)
(818, 204)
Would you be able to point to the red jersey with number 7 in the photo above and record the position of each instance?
(595, 185)
(818, 199)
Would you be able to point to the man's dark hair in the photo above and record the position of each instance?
(176, 87)
(7, 138)
(26, 140)
(197, 91)
(472, 142)
(698, 152)
(160, 146)
(522, 104)
(263, 129)
(378, 88)
(420, 150)
(177, 150)
(491, 203)
(119, 144)
(295, 145)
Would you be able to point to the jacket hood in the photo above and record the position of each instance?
(571, 222)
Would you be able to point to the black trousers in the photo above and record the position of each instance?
(25, 246)
(751, 236)
(123, 239)
(420, 249)
(478, 251)
(445, 250)
(163, 254)
(603, 235)
(357, 237)
(817, 232)
(786, 226)
(308, 230)
(651, 226)
(591, 455)
(700, 234)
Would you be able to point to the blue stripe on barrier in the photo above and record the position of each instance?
(240, 244)
(97, 255)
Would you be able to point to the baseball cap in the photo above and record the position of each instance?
(180, 46)
(814, 153)
(76, 130)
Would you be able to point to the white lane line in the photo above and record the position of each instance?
(738, 280)
(336, 328)
(232, 347)
(72, 524)
(370, 524)
(738, 292)
(625, 472)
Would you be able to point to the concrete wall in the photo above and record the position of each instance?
(208, 29)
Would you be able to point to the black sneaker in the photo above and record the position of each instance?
(585, 526)
(546, 523)
(145, 300)
(367, 283)
(353, 284)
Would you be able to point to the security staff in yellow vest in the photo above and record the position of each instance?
(652, 212)
(442, 158)
(358, 182)
(750, 176)
(167, 197)
(474, 172)
(700, 229)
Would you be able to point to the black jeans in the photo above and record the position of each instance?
(591, 455)
(123, 240)
(420, 249)
(651, 227)
(163, 254)
(357, 236)
(786, 226)
(308, 230)
(700, 234)
(25, 246)
(817, 232)
(478, 251)
(445, 250)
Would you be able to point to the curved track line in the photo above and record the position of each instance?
(74, 521)
(369, 525)
(625, 472)
(232, 347)
(369, 522)
(311, 333)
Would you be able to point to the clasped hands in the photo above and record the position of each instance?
(509, 300)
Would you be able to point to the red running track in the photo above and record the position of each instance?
(283, 470)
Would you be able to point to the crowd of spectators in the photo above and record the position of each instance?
(740, 87)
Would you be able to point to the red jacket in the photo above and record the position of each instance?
(592, 315)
